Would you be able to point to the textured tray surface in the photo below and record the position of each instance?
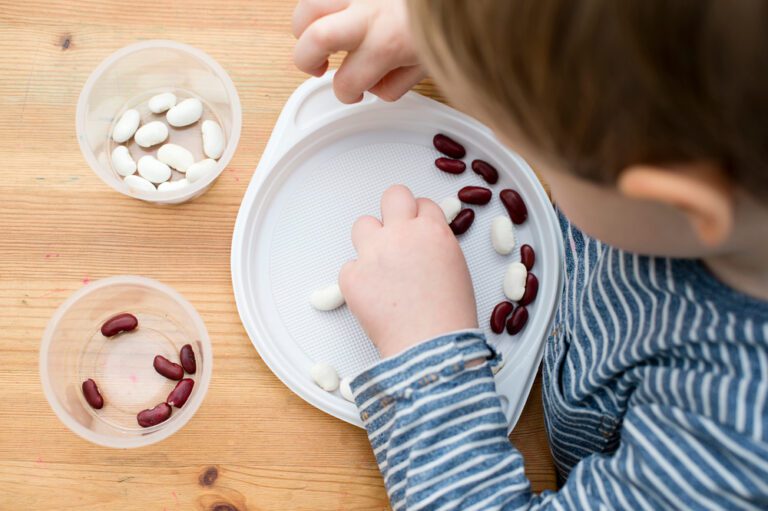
(311, 240)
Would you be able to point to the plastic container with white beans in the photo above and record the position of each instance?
(154, 111)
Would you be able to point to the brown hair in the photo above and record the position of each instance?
(604, 84)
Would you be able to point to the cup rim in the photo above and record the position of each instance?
(202, 380)
(169, 196)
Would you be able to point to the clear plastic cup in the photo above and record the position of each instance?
(127, 79)
(74, 350)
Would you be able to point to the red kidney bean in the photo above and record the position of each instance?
(450, 166)
(527, 256)
(124, 322)
(531, 289)
(518, 320)
(180, 393)
(169, 369)
(448, 146)
(475, 195)
(187, 357)
(515, 205)
(153, 416)
(499, 316)
(92, 394)
(463, 221)
(486, 171)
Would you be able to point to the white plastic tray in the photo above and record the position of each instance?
(327, 164)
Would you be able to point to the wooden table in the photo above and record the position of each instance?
(253, 444)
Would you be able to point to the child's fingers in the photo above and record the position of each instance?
(361, 70)
(397, 82)
(307, 11)
(428, 208)
(362, 230)
(345, 276)
(344, 30)
(397, 205)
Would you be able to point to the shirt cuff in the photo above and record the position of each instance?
(434, 361)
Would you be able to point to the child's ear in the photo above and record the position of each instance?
(699, 190)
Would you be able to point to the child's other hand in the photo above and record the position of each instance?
(410, 281)
(374, 33)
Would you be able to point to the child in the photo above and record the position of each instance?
(647, 119)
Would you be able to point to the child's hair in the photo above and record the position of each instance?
(604, 84)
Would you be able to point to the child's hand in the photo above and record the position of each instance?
(410, 282)
(374, 33)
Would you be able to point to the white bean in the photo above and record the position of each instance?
(175, 156)
(327, 298)
(153, 170)
(162, 102)
(325, 376)
(451, 207)
(151, 134)
(213, 139)
(502, 235)
(122, 161)
(185, 113)
(173, 185)
(198, 170)
(514, 281)
(126, 126)
(345, 390)
(140, 184)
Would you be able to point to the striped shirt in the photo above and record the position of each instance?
(655, 385)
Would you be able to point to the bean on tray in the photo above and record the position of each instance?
(486, 171)
(527, 256)
(450, 166)
(499, 316)
(531, 289)
(518, 320)
(515, 205)
(463, 221)
(475, 195)
(448, 146)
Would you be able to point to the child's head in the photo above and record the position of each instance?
(648, 118)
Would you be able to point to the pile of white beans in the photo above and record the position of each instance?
(155, 172)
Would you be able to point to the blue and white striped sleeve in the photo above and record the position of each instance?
(437, 428)
(439, 435)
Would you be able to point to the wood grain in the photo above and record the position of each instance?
(253, 444)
